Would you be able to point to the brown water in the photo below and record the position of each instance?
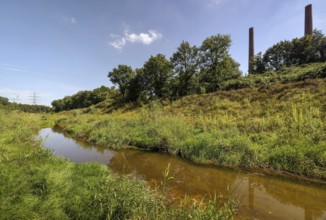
(260, 197)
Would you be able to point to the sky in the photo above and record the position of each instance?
(57, 48)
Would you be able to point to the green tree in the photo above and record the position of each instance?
(102, 93)
(157, 76)
(280, 54)
(122, 76)
(259, 64)
(138, 87)
(319, 41)
(84, 99)
(185, 63)
(216, 63)
(307, 49)
(4, 101)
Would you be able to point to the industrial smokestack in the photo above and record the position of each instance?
(308, 20)
(251, 51)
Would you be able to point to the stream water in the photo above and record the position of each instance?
(260, 197)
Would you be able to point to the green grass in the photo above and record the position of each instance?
(34, 184)
(280, 127)
(284, 75)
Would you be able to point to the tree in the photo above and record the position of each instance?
(84, 99)
(157, 76)
(4, 101)
(319, 45)
(122, 76)
(100, 94)
(138, 88)
(307, 49)
(185, 63)
(259, 64)
(280, 54)
(216, 63)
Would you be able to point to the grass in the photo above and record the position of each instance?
(34, 184)
(279, 127)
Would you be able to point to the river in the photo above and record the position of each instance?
(260, 196)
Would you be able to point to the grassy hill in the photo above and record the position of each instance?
(277, 122)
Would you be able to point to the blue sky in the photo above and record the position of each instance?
(57, 48)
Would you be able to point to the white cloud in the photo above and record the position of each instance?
(143, 38)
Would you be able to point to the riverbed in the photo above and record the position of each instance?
(259, 196)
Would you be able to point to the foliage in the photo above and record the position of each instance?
(190, 70)
(185, 62)
(157, 75)
(122, 76)
(84, 99)
(216, 64)
(4, 101)
(298, 51)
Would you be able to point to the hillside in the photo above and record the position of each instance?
(278, 127)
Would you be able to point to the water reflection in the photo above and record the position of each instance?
(76, 151)
(260, 197)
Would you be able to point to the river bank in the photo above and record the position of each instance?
(280, 128)
(259, 196)
(35, 184)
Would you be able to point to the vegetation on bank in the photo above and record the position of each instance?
(84, 99)
(34, 184)
(5, 104)
(280, 127)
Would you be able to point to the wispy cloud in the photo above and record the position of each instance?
(212, 3)
(70, 19)
(143, 38)
(59, 85)
(16, 69)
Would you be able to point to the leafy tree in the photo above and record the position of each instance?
(216, 63)
(58, 105)
(83, 99)
(4, 101)
(138, 87)
(157, 76)
(102, 93)
(122, 76)
(279, 55)
(185, 63)
(259, 64)
(307, 49)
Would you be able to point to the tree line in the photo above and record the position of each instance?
(298, 51)
(204, 69)
(195, 70)
(190, 70)
(83, 99)
(6, 104)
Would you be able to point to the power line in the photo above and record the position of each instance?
(34, 98)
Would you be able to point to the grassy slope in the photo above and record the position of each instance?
(278, 126)
(34, 184)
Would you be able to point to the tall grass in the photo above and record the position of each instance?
(34, 184)
(280, 127)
